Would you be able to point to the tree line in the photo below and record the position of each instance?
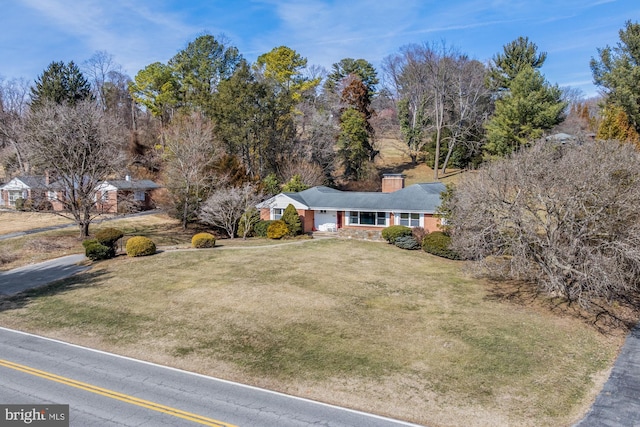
(209, 121)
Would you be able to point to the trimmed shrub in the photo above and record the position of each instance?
(390, 234)
(292, 219)
(95, 251)
(203, 240)
(407, 242)
(140, 246)
(20, 204)
(277, 229)
(438, 243)
(260, 229)
(109, 237)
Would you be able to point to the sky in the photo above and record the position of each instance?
(136, 33)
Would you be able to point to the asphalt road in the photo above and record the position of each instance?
(103, 389)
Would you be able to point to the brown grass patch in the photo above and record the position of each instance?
(13, 221)
(399, 333)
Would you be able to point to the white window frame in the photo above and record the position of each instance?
(355, 218)
(409, 219)
(139, 196)
(276, 213)
(15, 195)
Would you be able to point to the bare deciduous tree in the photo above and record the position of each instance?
(470, 106)
(190, 156)
(14, 95)
(564, 217)
(97, 69)
(310, 173)
(441, 97)
(80, 146)
(225, 206)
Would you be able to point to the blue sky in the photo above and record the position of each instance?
(139, 32)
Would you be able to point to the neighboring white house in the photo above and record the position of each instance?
(23, 187)
(111, 196)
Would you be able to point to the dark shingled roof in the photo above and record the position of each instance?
(142, 184)
(35, 182)
(417, 197)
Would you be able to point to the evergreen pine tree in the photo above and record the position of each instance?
(292, 219)
(60, 83)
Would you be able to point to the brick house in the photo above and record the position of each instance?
(326, 209)
(111, 196)
(125, 195)
(33, 188)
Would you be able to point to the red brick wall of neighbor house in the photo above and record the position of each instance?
(56, 204)
(110, 205)
(265, 214)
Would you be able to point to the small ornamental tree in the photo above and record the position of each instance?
(226, 206)
(247, 222)
(292, 219)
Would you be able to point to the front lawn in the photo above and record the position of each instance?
(358, 324)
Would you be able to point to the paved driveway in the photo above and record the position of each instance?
(36, 275)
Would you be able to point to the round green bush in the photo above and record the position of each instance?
(140, 246)
(438, 243)
(96, 251)
(260, 229)
(407, 242)
(203, 240)
(390, 234)
(277, 230)
(109, 237)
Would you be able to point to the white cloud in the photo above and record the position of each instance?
(133, 32)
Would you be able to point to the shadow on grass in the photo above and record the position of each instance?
(620, 315)
(78, 281)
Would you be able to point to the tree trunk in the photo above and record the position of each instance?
(437, 155)
(84, 229)
(449, 152)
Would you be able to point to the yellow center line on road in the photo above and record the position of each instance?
(115, 395)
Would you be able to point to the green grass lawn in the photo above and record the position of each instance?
(359, 324)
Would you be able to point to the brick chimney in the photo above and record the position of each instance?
(392, 182)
